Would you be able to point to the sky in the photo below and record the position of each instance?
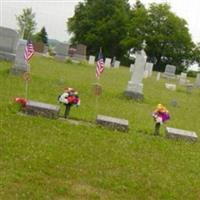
(53, 14)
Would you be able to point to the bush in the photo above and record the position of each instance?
(192, 73)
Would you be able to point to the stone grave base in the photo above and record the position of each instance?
(7, 56)
(62, 58)
(114, 123)
(42, 109)
(174, 133)
(134, 95)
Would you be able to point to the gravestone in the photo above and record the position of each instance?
(174, 133)
(114, 123)
(158, 76)
(91, 60)
(183, 78)
(8, 43)
(134, 89)
(149, 68)
(116, 64)
(80, 53)
(61, 51)
(169, 72)
(197, 83)
(108, 62)
(21, 66)
(41, 109)
(170, 86)
(189, 87)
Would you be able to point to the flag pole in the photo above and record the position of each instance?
(97, 85)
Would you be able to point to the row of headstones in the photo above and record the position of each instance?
(108, 62)
(52, 111)
(12, 48)
(62, 52)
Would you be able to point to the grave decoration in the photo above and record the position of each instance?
(160, 115)
(21, 101)
(69, 98)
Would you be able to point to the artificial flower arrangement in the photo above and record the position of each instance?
(69, 98)
(160, 115)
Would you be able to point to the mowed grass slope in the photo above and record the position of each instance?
(42, 158)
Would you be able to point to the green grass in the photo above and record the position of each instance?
(54, 159)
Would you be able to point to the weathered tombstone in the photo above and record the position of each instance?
(169, 72)
(8, 43)
(149, 68)
(189, 87)
(131, 68)
(21, 66)
(198, 80)
(114, 123)
(108, 62)
(91, 60)
(158, 76)
(183, 78)
(42, 109)
(135, 86)
(80, 53)
(174, 133)
(116, 64)
(61, 50)
(170, 86)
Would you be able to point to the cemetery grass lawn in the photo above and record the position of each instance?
(42, 158)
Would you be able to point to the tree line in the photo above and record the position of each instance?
(117, 27)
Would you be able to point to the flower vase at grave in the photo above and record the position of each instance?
(67, 110)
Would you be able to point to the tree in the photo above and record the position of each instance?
(166, 35)
(41, 36)
(26, 23)
(100, 23)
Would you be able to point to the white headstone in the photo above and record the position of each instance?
(170, 86)
(183, 78)
(116, 64)
(108, 62)
(91, 60)
(149, 68)
(21, 64)
(158, 76)
(135, 85)
(198, 80)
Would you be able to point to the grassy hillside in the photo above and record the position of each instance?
(55, 159)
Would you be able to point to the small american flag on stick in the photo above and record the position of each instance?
(100, 64)
(29, 51)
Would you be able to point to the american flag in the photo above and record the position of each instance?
(29, 51)
(100, 65)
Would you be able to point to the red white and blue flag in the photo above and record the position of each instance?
(29, 51)
(100, 64)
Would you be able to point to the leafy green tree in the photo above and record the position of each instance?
(100, 23)
(166, 35)
(41, 36)
(26, 23)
